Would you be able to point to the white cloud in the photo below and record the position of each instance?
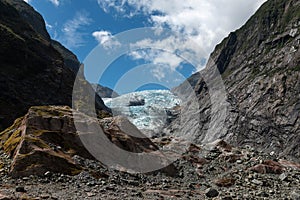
(166, 51)
(73, 30)
(55, 2)
(204, 22)
(48, 25)
(106, 39)
(163, 61)
(166, 58)
(158, 72)
(159, 52)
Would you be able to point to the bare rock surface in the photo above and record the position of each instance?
(259, 64)
(45, 139)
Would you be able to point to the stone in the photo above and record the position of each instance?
(225, 182)
(239, 161)
(268, 166)
(263, 194)
(5, 197)
(295, 195)
(20, 189)
(90, 194)
(257, 182)
(211, 192)
(48, 174)
(92, 183)
(25, 178)
(283, 177)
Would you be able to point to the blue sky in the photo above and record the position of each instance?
(81, 25)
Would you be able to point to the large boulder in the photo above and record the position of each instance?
(45, 139)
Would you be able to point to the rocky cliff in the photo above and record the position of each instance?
(34, 70)
(260, 66)
(104, 92)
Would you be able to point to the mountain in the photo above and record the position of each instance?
(104, 92)
(34, 69)
(260, 67)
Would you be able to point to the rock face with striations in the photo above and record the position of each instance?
(34, 70)
(260, 67)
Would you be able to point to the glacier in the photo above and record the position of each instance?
(147, 110)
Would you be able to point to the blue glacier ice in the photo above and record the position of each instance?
(147, 110)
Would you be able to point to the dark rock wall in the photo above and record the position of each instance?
(260, 67)
(32, 70)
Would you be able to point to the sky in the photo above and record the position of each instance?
(182, 35)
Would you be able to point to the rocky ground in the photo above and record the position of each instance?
(215, 172)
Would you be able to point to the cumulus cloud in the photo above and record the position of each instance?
(171, 50)
(204, 22)
(73, 30)
(163, 61)
(106, 39)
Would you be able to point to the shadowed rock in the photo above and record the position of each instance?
(104, 92)
(34, 69)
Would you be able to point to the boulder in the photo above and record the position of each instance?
(211, 192)
(45, 139)
(268, 167)
(225, 182)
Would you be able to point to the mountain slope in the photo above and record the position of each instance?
(260, 67)
(32, 71)
(104, 92)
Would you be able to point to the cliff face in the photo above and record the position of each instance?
(34, 70)
(260, 67)
(104, 92)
